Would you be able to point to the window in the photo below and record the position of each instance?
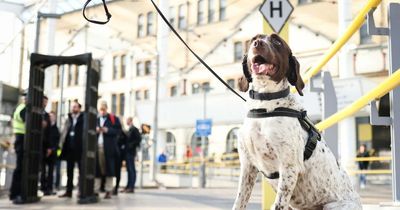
(150, 23)
(232, 141)
(147, 68)
(200, 12)
(211, 11)
(196, 88)
(138, 96)
(231, 83)
(100, 70)
(115, 67)
(121, 110)
(54, 107)
(222, 10)
(238, 51)
(196, 145)
(182, 17)
(114, 103)
(170, 146)
(139, 69)
(206, 86)
(303, 1)
(76, 75)
(365, 38)
(172, 13)
(173, 91)
(146, 94)
(57, 76)
(123, 66)
(140, 28)
(70, 75)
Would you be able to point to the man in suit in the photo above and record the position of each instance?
(133, 140)
(72, 146)
(107, 149)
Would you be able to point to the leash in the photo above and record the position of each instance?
(173, 30)
(195, 55)
(108, 14)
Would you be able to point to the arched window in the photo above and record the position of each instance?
(170, 146)
(196, 145)
(232, 140)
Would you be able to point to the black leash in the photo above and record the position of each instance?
(198, 57)
(173, 30)
(97, 21)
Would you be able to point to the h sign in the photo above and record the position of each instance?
(203, 127)
(276, 13)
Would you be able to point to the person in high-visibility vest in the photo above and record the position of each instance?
(19, 130)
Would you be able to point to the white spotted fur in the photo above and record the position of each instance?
(277, 144)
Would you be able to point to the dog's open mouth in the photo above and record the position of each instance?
(261, 66)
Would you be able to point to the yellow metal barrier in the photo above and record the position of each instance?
(353, 27)
(386, 158)
(387, 85)
(372, 171)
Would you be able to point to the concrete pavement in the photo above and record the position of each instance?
(183, 199)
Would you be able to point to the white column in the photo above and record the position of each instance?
(162, 67)
(347, 127)
(51, 31)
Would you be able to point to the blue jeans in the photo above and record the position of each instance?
(363, 179)
(130, 167)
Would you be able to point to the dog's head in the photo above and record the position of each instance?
(270, 58)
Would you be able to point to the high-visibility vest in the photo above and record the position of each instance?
(18, 123)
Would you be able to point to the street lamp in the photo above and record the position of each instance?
(39, 16)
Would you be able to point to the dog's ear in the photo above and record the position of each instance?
(293, 74)
(246, 78)
(243, 84)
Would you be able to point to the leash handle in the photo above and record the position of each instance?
(195, 55)
(108, 14)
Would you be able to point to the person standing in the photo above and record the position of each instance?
(19, 129)
(133, 140)
(72, 146)
(121, 140)
(363, 165)
(107, 149)
(51, 154)
(48, 151)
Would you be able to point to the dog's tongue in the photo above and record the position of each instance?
(263, 68)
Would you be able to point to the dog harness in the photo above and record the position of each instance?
(313, 135)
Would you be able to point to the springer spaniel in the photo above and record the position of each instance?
(275, 146)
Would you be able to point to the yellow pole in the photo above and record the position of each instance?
(387, 85)
(353, 27)
(268, 194)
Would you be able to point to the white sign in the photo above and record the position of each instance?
(276, 13)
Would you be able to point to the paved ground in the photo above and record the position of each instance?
(180, 199)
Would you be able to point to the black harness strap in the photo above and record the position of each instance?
(269, 96)
(313, 135)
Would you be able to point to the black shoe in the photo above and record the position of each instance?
(108, 195)
(66, 195)
(115, 192)
(18, 200)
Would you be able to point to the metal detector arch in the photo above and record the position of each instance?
(33, 137)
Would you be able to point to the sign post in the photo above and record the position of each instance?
(203, 129)
(276, 14)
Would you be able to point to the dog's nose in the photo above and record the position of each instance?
(257, 43)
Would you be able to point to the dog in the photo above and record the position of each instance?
(276, 145)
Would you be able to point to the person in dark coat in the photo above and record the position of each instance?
(46, 146)
(363, 165)
(133, 140)
(107, 149)
(53, 139)
(72, 146)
